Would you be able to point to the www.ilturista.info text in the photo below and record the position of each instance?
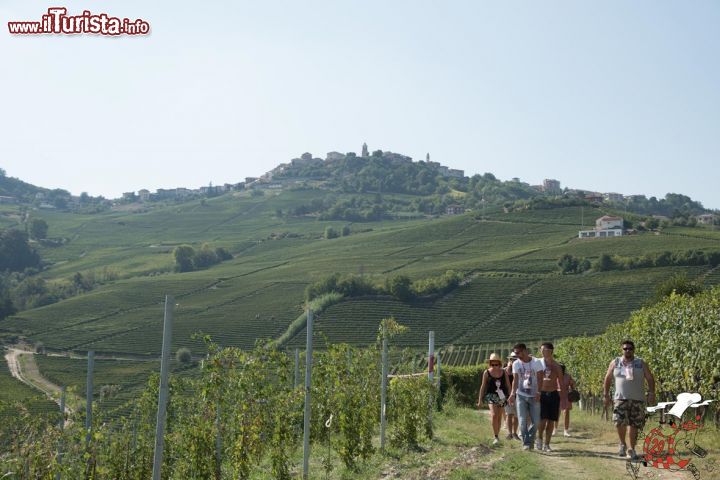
(57, 21)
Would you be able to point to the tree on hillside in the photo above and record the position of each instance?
(205, 257)
(38, 229)
(184, 255)
(330, 232)
(222, 254)
(652, 223)
(6, 307)
(568, 263)
(604, 263)
(679, 284)
(400, 287)
(15, 252)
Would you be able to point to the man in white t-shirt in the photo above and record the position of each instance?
(527, 375)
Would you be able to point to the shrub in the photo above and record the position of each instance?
(464, 381)
(330, 233)
(183, 355)
(679, 284)
(205, 257)
(399, 287)
(184, 258)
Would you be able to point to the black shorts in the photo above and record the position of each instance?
(550, 405)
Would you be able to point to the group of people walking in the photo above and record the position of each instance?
(532, 392)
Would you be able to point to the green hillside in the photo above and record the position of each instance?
(510, 257)
(14, 393)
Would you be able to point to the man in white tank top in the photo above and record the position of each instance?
(630, 374)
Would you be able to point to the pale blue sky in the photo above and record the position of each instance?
(605, 95)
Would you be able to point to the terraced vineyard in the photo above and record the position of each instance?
(566, 305)
(115, 382)
(356, 321)
(712, 277)
(13, 391)
(261, 291)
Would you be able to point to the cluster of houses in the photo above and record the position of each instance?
(550, 185)
(144, 195)
(307, 160)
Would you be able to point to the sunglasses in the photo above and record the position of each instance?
(628, 349)
(495, 364)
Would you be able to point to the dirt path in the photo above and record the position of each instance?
(589, 454)
(591, 457)
(23, 367)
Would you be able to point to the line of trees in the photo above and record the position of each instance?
(569, 264)
(187, 259)
(399, 286)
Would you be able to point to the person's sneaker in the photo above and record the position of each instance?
(547, 448)
(516, 436)
(631, 454)
(538, 445)
(509, 436)
(526, 447)
(495, 441)
(621, 452)
(566, 434)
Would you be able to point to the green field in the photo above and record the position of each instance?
(115, 382)
(512, 256)
(14, 392)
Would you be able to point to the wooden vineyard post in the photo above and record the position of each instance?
(62, 427)
(164, 388)
(218, 441)
(431, 371)
(296, 381)
(89, 396)
(383, 389)
(439, 376)
(308, 383)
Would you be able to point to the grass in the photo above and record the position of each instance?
(461, 449)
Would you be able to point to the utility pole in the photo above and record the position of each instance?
(164, 388)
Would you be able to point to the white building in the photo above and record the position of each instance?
(607, 222)
(605, 227)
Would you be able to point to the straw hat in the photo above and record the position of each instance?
(494, 357)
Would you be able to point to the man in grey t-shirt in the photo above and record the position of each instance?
(630, 374)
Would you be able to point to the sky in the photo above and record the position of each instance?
(611, 96)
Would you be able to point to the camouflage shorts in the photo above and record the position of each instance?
(629, 412)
